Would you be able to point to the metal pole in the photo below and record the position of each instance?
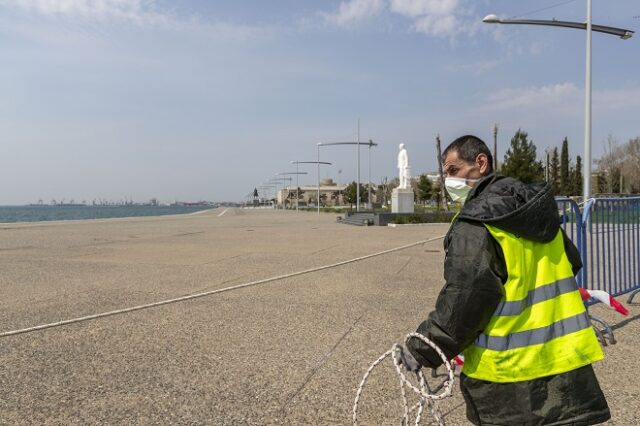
(358, 184)
(495, 148)
(318, 200)
(587, 113)
(339, 180)
(369, 185)
(443, 191)
(297, 187)
(547, 174)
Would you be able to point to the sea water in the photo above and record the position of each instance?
(10, 214)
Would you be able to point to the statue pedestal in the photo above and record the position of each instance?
(402, 201)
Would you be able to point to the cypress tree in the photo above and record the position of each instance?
(520, 160)
(554, 171)
(565, 176)
(577, 177)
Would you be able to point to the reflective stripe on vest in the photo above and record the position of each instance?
(541, 327)
(537, 335)
(537, 295)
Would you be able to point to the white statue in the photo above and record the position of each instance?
(403, 167)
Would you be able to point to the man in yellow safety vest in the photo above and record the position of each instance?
(511, 304)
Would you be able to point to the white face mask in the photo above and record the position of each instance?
(458, 188)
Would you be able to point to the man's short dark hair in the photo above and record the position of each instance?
(468, 148)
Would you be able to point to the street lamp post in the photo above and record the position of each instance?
(358, 143)
(297, 184)
(283, 180)
(620, 32)
(267, 187)
(358, 186)
(339, 180)
(318, 195)
(589, 27)
(369, 184)
(547, 175)
(318, 164)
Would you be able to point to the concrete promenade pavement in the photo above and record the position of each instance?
(291, 351)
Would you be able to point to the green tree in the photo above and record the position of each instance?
(335, 197)
(350, 194)
(601, 183)
(520, 160)
(554, 171)
(425, 189)
(383, 193)
(380, 195)
(437, 195)
(364, 193)
(293, 195)
(565, 169)
(577, 177)
(615, 181)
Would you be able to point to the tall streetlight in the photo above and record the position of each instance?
(358, 143)
(273, 186)
(283, 180)
(589, 27)
(318, 167)
(267, 186)
(297, 184)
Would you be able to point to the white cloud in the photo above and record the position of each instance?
(419, 8)
(533, 96)
(441, 26)
(354, 11)
(563, 98)
(476, 68)
(133, 10)
(439, 18)
(142, 13)
(617, 99)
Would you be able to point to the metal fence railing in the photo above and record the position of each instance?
(571, 223)
(611, 244)
(607, 234)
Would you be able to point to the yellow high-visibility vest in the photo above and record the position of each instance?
(541, 327)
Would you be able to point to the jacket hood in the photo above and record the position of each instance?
(526, 210)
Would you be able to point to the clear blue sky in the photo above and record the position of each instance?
(189, 100)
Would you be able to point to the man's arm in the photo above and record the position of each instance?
(474, 271)
(572, 253)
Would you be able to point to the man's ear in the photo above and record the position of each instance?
(482, 161)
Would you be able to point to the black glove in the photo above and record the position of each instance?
(407, 360)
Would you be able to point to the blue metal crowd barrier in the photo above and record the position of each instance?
(607, 234)
(611, 244)
(571, 223)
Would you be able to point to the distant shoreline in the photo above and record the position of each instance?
(50, 213)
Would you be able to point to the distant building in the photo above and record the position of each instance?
(434, 178)
(330, 194)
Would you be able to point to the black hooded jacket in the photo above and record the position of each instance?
(475, 271)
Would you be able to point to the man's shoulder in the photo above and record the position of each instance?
(465, 229)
